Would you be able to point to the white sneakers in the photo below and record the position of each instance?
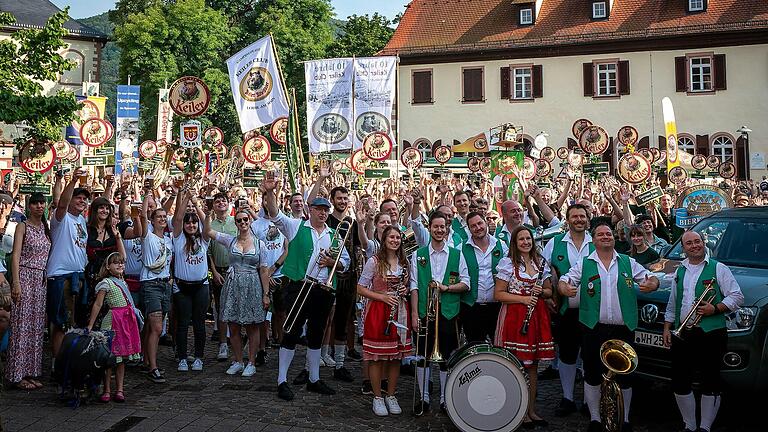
(223, 352)
(327, 360)
(392, 405)
(183, 366)
(249, 370)
(197, 365)
(386, 406)
(379, 407)
(236, 367)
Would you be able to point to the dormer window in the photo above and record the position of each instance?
(599, 10)
(526, 16)
(697, 5)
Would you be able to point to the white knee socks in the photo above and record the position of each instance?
(687, 405)
(592, 398)
(567, 379)
(420, 371)
(443, 379)
(285, 357)
(709, 406)
(339, 355)
(313, 358)
(627, 393)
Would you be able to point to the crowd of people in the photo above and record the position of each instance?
(145, 261)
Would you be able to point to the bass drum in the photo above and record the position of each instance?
(486, 389)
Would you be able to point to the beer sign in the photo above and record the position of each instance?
(36, 157)
(213, 136)
(189, 96)
(190, 135)
(256, 150)
(377, 146)
(95, 132)
(279, 130)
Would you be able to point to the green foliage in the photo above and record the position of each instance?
(362, 36)
(168, 41)
(29, 57)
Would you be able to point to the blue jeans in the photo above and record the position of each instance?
(61, 306)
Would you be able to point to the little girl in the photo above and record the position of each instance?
(121, 319)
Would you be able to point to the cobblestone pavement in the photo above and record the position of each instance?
(213, 401)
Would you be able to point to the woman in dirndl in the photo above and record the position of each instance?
(386, 338)
(243, 303)
(516, 290)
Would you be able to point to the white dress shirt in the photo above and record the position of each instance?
(574, 256)
(421, 234)
(438, 260)
(610, 309)
(320, 239)
(729, 288)
(485, 280)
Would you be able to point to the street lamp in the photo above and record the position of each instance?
(744, 131)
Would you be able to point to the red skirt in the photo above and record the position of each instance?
(377, 346)
(537, 344)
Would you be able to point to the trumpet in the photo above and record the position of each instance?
(311, 283)
(433, 312)
(620, 359)
(549, 233)
(531, 307)
(693, 318)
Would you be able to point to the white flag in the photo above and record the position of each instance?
(256, 85)
(374, 96)
(329, 104)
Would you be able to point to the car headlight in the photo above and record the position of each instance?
(741, 319)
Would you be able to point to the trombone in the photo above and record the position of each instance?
(312, 282)
(433, 313)
(693, 318)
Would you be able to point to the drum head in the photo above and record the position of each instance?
(487, 391)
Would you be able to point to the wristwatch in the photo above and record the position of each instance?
(277, 265)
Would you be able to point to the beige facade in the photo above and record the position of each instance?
(716, 115)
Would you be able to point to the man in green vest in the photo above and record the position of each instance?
(309, 243)
(422, 234)
(446, 266)
(459, 223)
(563, 251)
(482, 252)
(701, 348)
(604, 282)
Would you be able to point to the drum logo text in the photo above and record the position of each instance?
(468, 376)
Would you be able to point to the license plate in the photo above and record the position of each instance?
(649, 339)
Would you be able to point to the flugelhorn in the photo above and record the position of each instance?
(620, 359)
(693, 318)
(311, 283)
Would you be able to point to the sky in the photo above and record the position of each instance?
(343, 8)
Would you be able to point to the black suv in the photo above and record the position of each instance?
(737, 238)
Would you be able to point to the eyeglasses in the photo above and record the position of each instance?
(241, 220)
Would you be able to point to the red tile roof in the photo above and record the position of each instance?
(444, 26)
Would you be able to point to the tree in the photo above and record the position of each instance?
(362, 36)
(27, 59)
(110, 62)
(171, 40)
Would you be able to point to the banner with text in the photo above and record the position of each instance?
(256, 85)
(374, 96)
(164, 116)
(127, 127)
(329, 104)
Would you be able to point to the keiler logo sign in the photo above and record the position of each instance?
(189, 96)
(256, 84)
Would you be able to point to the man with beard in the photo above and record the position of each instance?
(67, 297)
(445, 265)
(482, 252)
(309, 246)
(512, 216)
(452, 238)
(219, 264)
(603, 281)
(562, 252)
(701, 348)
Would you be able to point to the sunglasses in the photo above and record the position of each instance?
(241, 220)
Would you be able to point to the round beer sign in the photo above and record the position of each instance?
(678, 175)
(213, 136)
(699, 162)
(162, 146)
(442, 154)
(370, 122)
(529, 168)
(628, 135)
(359, 161)
(256, 150)
(94, 132)
(411, 158)
(548, 154)
(543, 168)
(594, 140)
(147, 149)
(37, 158)
(485, 165)
(189, 96)
(634, 168)
(377, 146)
(279, 130)
(473, 164)
(580, 126)
(330, 128)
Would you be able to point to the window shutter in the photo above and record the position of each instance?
(624, 77)
(662, 142)
(608, 154)
(506, 91)
(422, 87)
(739, 159)
(589, 80)
(473, 85)
(681, 74)
(719, 60)
(702, 145)
(537, 84)
(643, 143)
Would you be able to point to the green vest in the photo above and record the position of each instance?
(449, 302)
(589, 305)
(299, 253)
(707, 323)
(458, 231)
(561, 262)
(473, 267)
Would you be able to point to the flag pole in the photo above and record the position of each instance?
(291, 103)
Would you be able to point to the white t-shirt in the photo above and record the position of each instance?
(133, 264)
(272, 251)
(150, 252)
(69, 237)
(191, 268)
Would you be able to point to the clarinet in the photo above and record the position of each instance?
(529, 311)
